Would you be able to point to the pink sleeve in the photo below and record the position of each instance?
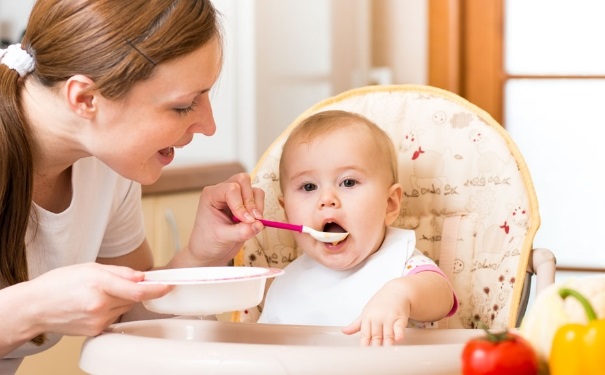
(433, 268)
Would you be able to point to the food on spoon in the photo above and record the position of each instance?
(334, 228)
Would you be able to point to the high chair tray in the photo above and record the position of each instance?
(192, 346)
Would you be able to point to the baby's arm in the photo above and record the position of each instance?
(423, 296)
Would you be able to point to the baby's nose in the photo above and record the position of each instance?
(329, 199)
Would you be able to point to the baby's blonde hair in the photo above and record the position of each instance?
(322, 123)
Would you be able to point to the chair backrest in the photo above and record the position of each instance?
(468, 196)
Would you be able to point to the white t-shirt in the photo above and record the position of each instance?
(104, 219)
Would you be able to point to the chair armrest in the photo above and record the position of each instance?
(542, 263)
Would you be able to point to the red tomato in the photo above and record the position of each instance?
(499, 353)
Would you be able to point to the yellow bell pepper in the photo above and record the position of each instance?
(579, 348)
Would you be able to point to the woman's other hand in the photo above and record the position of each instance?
(91, 296)
(82, 299)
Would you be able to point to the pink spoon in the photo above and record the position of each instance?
(332, 237)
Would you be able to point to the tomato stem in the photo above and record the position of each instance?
(496, 336)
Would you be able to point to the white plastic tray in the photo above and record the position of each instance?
(186, 346)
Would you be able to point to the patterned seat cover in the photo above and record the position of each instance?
(467, 194)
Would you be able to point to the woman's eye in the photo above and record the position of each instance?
(309, 187)
(186, 110)
(348, 182)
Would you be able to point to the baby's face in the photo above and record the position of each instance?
(337, 183)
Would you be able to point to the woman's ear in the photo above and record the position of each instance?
(80, 96)
(393, 204)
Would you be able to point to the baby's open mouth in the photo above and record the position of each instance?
(333, 228)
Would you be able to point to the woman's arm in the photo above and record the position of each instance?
(140, 259)
(17, 323)
(82, 299)
(215, 239)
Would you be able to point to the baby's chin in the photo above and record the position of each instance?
(339, 262)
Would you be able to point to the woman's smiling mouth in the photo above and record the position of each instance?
(168, 151)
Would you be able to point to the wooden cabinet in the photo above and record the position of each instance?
(168, 222)
(170, 205)
(62, 358)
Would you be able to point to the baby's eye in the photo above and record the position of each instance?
(308, 187)
(349, 182)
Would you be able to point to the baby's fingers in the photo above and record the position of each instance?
(379, 333)
(393, 333)
(399, 329)
(370, 334)
(353, 327)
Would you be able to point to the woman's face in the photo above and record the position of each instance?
(138, 135)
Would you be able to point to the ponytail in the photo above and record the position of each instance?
(16, 181)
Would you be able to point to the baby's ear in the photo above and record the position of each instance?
(393, 204)
(280, 199)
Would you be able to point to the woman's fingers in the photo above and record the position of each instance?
(134, 291)
(240, 198)
(252, 199)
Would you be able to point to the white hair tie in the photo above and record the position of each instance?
(17, 59)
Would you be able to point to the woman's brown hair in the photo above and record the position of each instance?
(116, 43)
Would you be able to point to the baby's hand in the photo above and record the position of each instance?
(383, 319)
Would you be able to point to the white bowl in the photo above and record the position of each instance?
(209, 290)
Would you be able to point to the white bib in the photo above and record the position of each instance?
(311, 294)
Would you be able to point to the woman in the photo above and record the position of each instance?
(93, 103)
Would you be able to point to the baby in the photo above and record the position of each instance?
(338, 173)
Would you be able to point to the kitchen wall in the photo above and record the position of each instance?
(13, 18)
(399, 40)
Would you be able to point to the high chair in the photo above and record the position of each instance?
(467, 194)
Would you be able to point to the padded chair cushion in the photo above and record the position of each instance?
(467, 194)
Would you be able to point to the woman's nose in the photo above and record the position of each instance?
(205, 120)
